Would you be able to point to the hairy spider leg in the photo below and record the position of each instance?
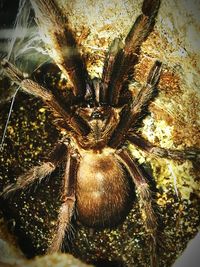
(192, 154)
(74, 121)
(67, 198)
(121, 60)
(37, 173)
(112, 57)
(132, 113)
(145, 201)
(62, 43)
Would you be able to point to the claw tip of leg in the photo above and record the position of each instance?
(150, 8)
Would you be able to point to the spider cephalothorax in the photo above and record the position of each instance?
(99, 119)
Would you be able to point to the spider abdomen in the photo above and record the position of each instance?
(103, 190)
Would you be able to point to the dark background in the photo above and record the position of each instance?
(8, 10)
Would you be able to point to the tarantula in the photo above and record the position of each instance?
(99, 117)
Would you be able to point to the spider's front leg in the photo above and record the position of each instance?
(61, 43)
(131, 114)
(145, 201)
(121, 58)
(74, 121)
(67, 201)
(37, 173)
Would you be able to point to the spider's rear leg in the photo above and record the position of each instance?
(145, 202)
(131, 114)
(37, 173)
(192, 154)
(68, 201)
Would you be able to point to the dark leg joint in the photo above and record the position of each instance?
(58, 153)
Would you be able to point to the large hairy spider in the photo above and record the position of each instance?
(99, 119)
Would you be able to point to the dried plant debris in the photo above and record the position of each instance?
(173, 123)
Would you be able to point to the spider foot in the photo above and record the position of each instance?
(193, 154)
(24, 182)
(11, 71)
(187, 154)
(150, 222)
(150, 7)
(9, 191)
